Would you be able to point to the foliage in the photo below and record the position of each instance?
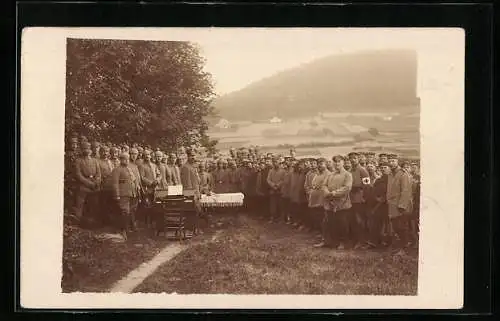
(150, 92)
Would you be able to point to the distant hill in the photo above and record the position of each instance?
(368, 81)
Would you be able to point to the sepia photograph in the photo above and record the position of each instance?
(257, 162)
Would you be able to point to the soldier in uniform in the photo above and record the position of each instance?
(285, 191)
(70, 157)
(262, 190)
(150, 179)
(370, 157)
(126, 192)
(222, 178)
(362, 159)
(376, 203)
(297, 194)
(233, 177)
(173, 177)
(347, 164)
(275, 180)
(399, 202)
(382, 158)
(360, 180)
(311, 173)
(140, 152)
(336, 206)
(190, 181)
(135, 170)
(245, 172)
(162, 169)
(106, 193)
(415, 217)
(113, 156)
(95, 149)
(206, 180)
(88, 177)
(317, 195)
(250, 187)
(329, 165)
(371, 168)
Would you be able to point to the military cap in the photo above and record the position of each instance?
(382, 155)
(337, 157)
(352, 154)
(371, 162)
(85, 145)
(415, 163)
(74, 139)
(321, 159)
(370, 154)
(392, 156)
(158, 153)
(140, 149)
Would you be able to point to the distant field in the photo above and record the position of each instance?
(400, 135)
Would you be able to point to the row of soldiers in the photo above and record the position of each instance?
(109, 185)
(358, 199)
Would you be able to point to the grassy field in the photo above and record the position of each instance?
(96, 264)
(251, 257)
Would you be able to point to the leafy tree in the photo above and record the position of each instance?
(149, 92)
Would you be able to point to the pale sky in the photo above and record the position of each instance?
(236, 59)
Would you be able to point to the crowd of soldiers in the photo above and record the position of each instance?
(360, 200)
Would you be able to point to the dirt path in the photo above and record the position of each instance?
(137, 276)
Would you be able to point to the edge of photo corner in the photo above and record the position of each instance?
(19, 307)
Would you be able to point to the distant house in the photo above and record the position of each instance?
(275, 120)
(223, 124)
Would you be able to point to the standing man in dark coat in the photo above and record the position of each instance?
(399, 201)
(376, 203)
(125, 190)
(88, 177)
(336, 206)
(262, 190)
(70, 185)
(360, 180)
(135, 170)
(275, 179)
(150, 179)
(106, 203)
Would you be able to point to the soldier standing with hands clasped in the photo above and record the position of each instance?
(125, 189)
(88, 176)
